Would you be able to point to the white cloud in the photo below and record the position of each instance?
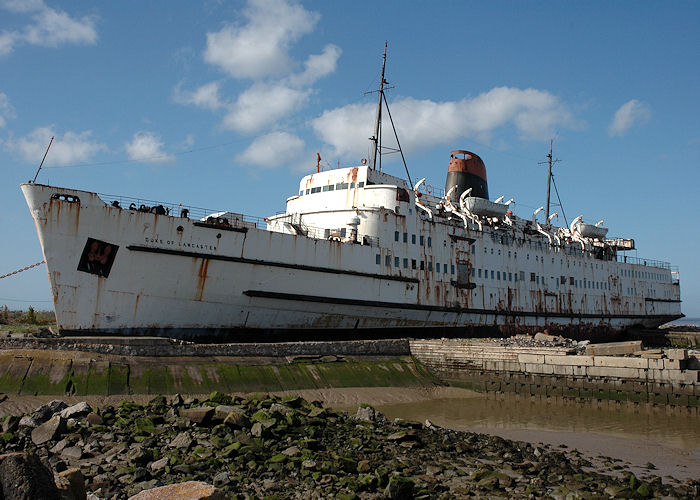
(147, 147)
(53, 28)
(259, 48)
(535, 114)
(67, 149)
(263, 105)
(206, 96)
(6, 109)
(631, 113)
(317, 66)
(7, 42)
(274, 150)
(49, 27)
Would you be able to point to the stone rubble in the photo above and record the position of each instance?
(271, 447)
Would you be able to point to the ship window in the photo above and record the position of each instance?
(422, 265)
(422, 240)
(343, 232)
(516, 277)
(430, 243)
(387, 260)
(510, 276)
(342, 185)
(486, 274)
(437, 267)
(325, 188)
(360, 184)
(522, 276)
(473, 248)
(492, 251)
(396, 236)
(498, 275)
(444, 268)
(352, 185)
(413, 239)
(538, 280)
(301, 193)
(379, 259)
(479, 273)
(413, 263)
(396, 262)
(430, 265)
(326, 233)
(491, 274)
(402, 194)
(473, 272)
(537, 258)
(316, 190)
(405, 263)
(308, 191)
(532, 276)
(452, 270)
(405, 237)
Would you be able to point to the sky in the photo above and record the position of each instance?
(224, 105)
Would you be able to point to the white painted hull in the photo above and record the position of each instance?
(204, 281)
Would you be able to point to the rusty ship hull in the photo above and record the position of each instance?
(361, 259)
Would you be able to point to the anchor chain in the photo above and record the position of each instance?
(23, 269)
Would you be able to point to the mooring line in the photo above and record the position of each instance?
(23, 269)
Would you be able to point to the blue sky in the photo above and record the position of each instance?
(225, 104)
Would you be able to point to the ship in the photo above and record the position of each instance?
(358, 253)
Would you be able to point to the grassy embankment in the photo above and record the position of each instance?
(29, 321)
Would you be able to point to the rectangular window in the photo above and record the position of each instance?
(452, 269)
(301, 193)
(522, 276)
(429, 241)
(491, 274)
(422, 265)
(510, 276)
(326, 188)
(352, 185)
(343, 232)
(473, 248)
(387, 261)
(498, 275)
(396, 262)
(308, 191)
(405, 263)
(316, 190)
(413, 263)
(396, 236)
(326, 233)
(444, 268)
(486, 274)
(437, 267)
(571, 280)
(562, 280)
(532, 277)
(430, 265)
(413, 239)
(360, 184)
(479, 273)
(538, 280)
(379, 259)
(342, 185)
(422, 241)
(405, 237)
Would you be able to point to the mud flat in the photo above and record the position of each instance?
(267, 446)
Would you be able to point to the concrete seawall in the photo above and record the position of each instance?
(49, 372)
(669, 378)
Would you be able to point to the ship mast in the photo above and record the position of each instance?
(549, 176)
(378, 122)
